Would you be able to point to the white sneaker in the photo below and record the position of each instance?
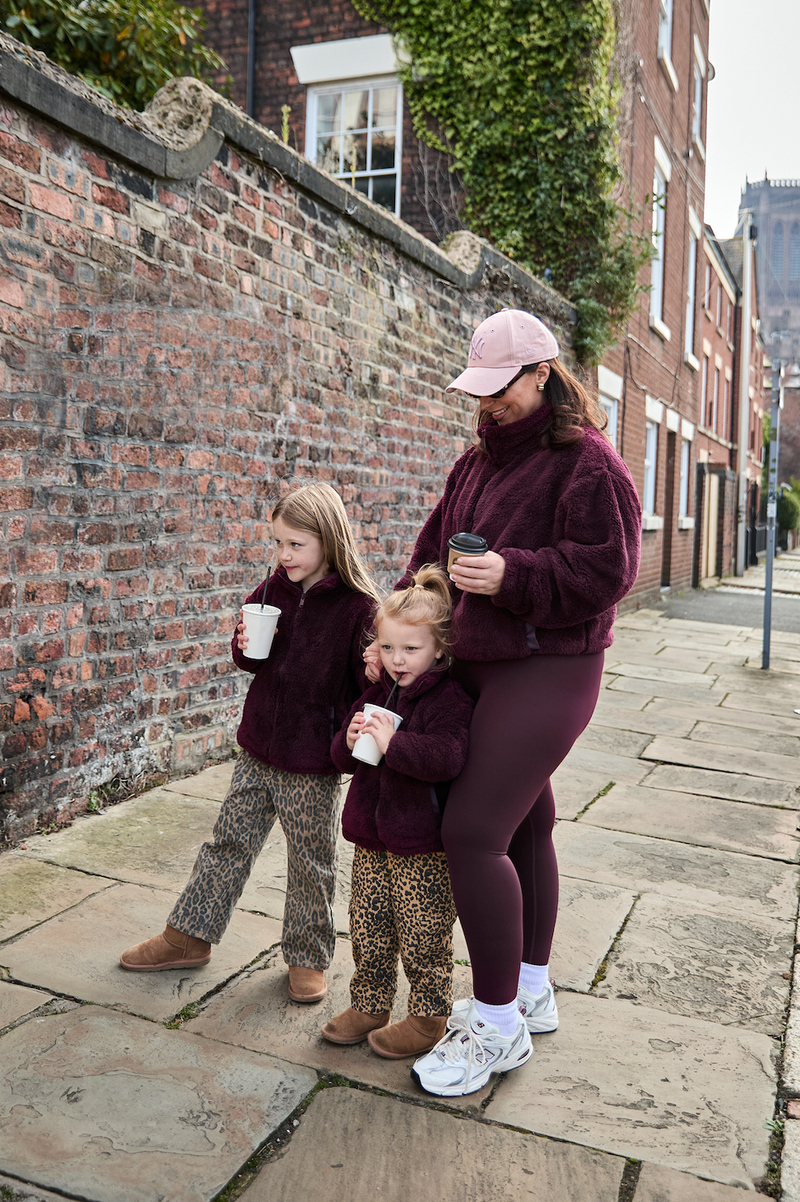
(540, 1011)
(465, 1058)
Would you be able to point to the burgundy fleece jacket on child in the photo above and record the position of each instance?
(397, 805)
(567, 521)
(301, 693)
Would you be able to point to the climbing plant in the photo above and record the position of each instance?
(127, 49)
(523, 96)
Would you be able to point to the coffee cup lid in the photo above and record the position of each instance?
(467, 542)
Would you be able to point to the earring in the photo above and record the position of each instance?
(540, 387)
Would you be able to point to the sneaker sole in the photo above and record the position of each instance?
(457, 1091)
(164, 967)
(539, 1028)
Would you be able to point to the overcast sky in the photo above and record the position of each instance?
(753, 103)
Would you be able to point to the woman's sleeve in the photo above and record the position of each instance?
(592, 566)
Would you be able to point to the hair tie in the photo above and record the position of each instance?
(422, 586)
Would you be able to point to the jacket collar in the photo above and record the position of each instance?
(423, 683)
(325, 585)
(503, 444)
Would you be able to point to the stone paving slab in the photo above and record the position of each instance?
(779, 681)
(608, 765)
(77, 953)
(638, 1082)
(111, 1108)
(611, 740)
(647, 670)
(781, 706)
(790, 1162)
(712, 755)
(358, 1148)
(791, 1051)
(589, 917)
(724, 784)
(574, 788)
(659, 1184)
(31, 891)
(702, 821)
(16, 1000)
(769, 742)
(618, 703)
(722, 715)
(691, 694)
(643, 722)
(211, 783)
(255, 1012)
(704, 877)
(20, 1192)
(724, 968)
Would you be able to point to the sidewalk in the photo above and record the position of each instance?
(785, 575)
(677, 843)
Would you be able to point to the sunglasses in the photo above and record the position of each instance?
(495, 396)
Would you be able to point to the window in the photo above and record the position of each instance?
(610, 407)
(650, 457)
(726, 409)
(354, 132)
(697, 105)
(707, 288)
(777, 251)
(712, 425)
(719, 306)
(683, 496)
(704, 390)
(794, 256)
(729, 328)
(665, 42)
(657, 265)
(691, 288)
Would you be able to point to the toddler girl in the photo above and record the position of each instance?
(401, 898)
(297, 700)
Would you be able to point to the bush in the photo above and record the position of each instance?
(788, 510)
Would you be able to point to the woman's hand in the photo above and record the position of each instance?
(479, 573)
(372, 659)
(241, 637)
(354, 729)
(381, 727)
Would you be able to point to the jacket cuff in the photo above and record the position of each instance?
(514, 594)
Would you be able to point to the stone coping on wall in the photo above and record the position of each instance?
(182, 132)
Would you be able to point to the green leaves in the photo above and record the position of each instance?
(522, 95)
(127, 49)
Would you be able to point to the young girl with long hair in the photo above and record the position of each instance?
(296, 702)
(401, 901)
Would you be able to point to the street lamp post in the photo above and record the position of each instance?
(772, 490)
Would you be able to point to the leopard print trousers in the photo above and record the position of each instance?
(401, 905)
(307, 807)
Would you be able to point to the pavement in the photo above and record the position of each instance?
(668, 1079)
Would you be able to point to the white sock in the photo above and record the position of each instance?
(505, 1018)
(534, 977)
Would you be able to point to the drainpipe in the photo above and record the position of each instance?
(251, 55)
(744, 389)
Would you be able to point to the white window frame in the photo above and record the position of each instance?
(355, 85)
(665, 42)
(609, 386)
(699, 75)
(704, 390)
(650, 468)
(683, 492)
(695, 232)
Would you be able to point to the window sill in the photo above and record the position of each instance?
(660, 328)
(692, 360)
(669, 71)
(686, 523)
(650, 521)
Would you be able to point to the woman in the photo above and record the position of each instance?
(533, 615)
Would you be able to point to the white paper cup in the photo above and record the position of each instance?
(365, 747)
(259, 626)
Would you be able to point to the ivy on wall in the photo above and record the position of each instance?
(523, 96)
(127, 49)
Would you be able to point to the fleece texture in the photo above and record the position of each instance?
(301, 693)
(566, 521)
(397, 805)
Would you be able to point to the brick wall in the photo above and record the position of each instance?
(174, 354)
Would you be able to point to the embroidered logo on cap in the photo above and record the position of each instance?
(476, 347)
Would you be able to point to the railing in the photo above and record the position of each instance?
(756, 544)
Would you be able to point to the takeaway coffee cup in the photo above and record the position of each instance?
(259, 626)
(365, 747)
(465, 544)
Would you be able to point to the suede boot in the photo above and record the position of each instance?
(411, 1037)
(353, 1026)
(171, 949)
(306, 984)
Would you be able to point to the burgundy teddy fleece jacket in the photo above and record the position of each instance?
(567, 522)
(300, 694)
(397, 805)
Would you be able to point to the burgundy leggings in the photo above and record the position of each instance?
(498, 820)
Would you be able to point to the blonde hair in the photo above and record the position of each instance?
(426, 602)
(319, 510)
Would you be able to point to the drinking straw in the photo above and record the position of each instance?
(391, 694)
(264, 594)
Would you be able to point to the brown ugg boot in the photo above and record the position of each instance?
(353, 1026)
(170, 949)
(306, 984)
(411, 1037)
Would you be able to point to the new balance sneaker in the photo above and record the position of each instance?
(467, 1055)
(540, 1011)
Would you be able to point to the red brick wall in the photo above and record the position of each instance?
(171, 357)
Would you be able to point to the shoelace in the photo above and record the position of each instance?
(451, 1046)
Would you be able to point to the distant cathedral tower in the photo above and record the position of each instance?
(775, 204)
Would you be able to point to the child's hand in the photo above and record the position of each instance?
(372, 659)
(241, 637)
(354, 729)
(381, 727)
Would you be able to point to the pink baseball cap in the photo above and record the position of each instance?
(500, 346)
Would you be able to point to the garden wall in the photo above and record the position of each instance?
(193, 319)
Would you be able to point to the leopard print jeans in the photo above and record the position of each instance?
(401, 905)
(307, 807)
